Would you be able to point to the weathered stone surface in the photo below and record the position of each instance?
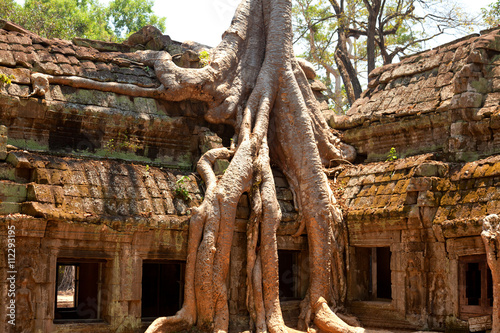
(89, 202)
(452, 82)
(7, 58)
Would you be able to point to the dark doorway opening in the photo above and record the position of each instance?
(384, 283)
(162, 287)
(288, 274)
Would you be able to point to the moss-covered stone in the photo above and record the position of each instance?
(9, 208)
(12, 192)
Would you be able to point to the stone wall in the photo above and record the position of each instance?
(120, 215)
(427, 212)
(442, 100)
(71, 118)
(102, 177)
(80, 209)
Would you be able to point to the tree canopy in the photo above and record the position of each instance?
(82, 18)
(491, 14)
(348, 38)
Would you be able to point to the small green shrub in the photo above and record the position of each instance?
(122, 144)
(204, 58)
(392, 155)
(181, 190)
(5, 79)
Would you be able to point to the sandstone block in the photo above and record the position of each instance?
(467, 100)
(37, 209)
(427, 199)
(351, 192)
(61, 59)
(286, 206)
(493, 170)
(381, 200)
(21, 75)
(479, 209)
(68, 69)
(21, 91)
(220, 166)
(481, 170)
(48, 68)
(427, 170)
(493, 207)
(477, 324)
(9, 208)
(420, 184)
(7, 172)
(284, 194)
(6, 58)
(40, 193)
(496, 85)
(12, 192)
(307, 67)
(244, 212)
(41, 176)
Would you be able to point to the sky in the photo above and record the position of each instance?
(204, 21)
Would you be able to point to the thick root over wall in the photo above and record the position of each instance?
(255, 84)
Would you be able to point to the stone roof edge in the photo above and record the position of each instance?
(11, 26)
(379, 70)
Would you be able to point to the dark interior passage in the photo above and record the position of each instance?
(162, 286)
(384, 282)
(288, 274)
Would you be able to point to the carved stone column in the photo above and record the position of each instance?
(491, 239)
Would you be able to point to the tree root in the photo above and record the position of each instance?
(255, 84)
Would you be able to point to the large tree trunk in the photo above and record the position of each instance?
(373, 12)
(255, 84)
(342, 60)
(491, 240)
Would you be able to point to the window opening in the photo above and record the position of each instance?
(77, 291)
(475, 287)
(372, 279)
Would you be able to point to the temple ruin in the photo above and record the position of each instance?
(101, 182)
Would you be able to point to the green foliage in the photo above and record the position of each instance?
(392, 155)
(128, 16)
(5, 80)
(122, 144)
(491, 14)
(204, 58)
(81, 18)
(8, 8)
(181, 190)
(402, 27)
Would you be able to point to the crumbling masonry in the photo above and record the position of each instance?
(101, 181)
